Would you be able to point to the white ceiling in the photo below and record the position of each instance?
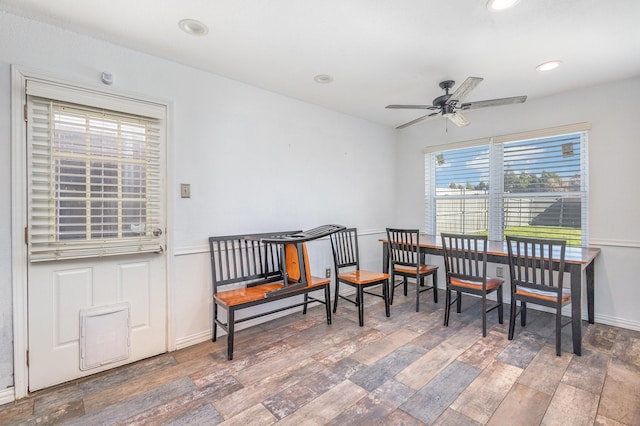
(379, 52)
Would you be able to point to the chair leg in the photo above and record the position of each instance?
(392, 287)
(419, 283)
(435, 286)
(484, 315)
(500, 307)
(447, 306)
(335, 295)
(558, 332)
(512, 317)
(459, 302)
(523, 313)
(406, 286)
(360, 304)
(230, 331)
(306, 302)
(214, 335)
(327, 302)
(385, 296)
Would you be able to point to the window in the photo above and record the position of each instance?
(95, 179)
(529, 184)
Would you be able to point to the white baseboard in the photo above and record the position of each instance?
(617, 322)
(194, 339)
(7, 395)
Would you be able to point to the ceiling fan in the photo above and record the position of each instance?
(450, 105)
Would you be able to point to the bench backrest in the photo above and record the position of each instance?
(244, 259)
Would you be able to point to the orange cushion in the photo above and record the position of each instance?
(363, 277)
(544, 295)
(424, 269)
(240, 296)
(492, 283)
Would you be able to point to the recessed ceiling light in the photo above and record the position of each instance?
(193, 27)
(323, 78)
(548, 66)
(497, 5)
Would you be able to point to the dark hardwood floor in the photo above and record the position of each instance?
(403, 370)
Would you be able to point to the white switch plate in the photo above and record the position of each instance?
(185, 190)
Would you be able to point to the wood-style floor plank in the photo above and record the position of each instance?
(546, 370)
(571, 406)
(481, 398)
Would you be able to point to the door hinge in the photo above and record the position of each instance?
(27, 358)
(26, 235)
(26, 112)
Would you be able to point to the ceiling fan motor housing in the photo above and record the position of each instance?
(441, 101)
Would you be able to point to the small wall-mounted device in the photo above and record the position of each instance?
(185, 190)
(107, 78)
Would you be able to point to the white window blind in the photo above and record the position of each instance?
(544, 193)
(462, 190)
(528, 184)
(95, 180)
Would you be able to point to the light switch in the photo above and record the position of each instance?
(185, 190)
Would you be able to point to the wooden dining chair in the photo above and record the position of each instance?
(536, 268)
(465, 260)
(346, 260)
(406, 261)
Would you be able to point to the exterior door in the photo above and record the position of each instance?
(97, 281)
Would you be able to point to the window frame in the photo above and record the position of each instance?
(496, 192)
(44, 243)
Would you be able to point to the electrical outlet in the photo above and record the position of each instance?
(327, 273)
(185, 190)
(500, 271)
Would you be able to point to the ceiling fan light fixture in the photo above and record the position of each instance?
(323, 79)
(549, 65)
(499, 5)
(193, 27)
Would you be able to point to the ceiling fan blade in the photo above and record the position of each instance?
(493, 102)
(458, 119)
(464, 89)
(411, 107)
(417, 120)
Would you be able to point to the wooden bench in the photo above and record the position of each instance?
(256, 269)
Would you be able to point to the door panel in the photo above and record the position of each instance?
(58, 291)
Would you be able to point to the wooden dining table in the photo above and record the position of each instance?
(577, 259)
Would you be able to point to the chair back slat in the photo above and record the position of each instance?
(403, 247)
(244, 259)
(465, 256)
(344, 245)
(536, 263)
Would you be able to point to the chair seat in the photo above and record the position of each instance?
(245, 295)
(492, 283)
(359, 277)
(543, 295)
(424, 269)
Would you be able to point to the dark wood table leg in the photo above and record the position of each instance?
(590, 272)
(576, 308)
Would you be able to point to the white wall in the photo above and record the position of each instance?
(256, 161)
(614, 173)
